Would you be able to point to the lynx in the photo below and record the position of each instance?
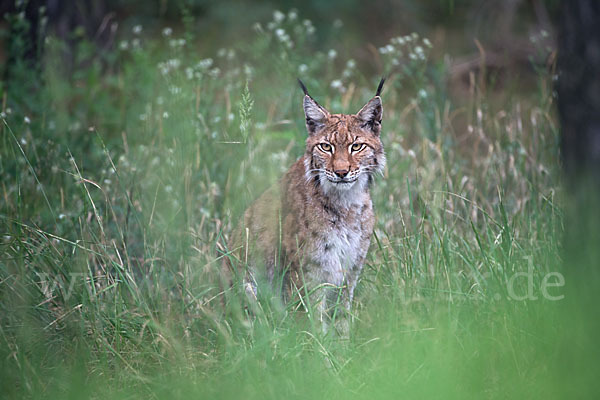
(308, 235)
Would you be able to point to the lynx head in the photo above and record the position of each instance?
(343, 151)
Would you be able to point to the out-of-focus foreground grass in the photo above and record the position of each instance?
(122, 178)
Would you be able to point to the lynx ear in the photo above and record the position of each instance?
(372, 112)
(316, 116)
(371, 115)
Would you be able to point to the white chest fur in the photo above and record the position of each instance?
(337, 255)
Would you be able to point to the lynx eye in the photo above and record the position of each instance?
(356, 147)
(326, 147)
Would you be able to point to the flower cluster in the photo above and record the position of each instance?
(282, 26)
(340, 85)
(409, 47)
(135, 43)
(166, 67)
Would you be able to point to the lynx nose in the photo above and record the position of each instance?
(341, 172)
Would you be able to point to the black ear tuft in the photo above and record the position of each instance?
(303, 87)
(379, 88)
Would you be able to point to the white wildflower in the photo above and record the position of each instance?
(419, 52)
(336, 84)
(214, 73)
(310, 29)
(167, 32)
(205, 63)
(332, 54)
(27, 120)
(302, 68)
(174, 63)
(163, 68)
(137, 29)
(123, 161)
(278, 16)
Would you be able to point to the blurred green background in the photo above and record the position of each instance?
(135, 133)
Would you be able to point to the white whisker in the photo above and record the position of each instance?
(310, 173)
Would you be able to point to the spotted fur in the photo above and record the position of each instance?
(310, 232)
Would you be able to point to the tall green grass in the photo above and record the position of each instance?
(122, 180)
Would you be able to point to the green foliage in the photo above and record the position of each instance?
(122, 178)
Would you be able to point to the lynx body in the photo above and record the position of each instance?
(309, 234)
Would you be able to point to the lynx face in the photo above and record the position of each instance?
(343, 151)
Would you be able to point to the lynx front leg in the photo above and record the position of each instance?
(343, 318)
(322, 311)
(341, 312)
(333, 304)
(325, 306)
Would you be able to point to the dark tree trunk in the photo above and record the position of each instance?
(578, 88)
(54, 17)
